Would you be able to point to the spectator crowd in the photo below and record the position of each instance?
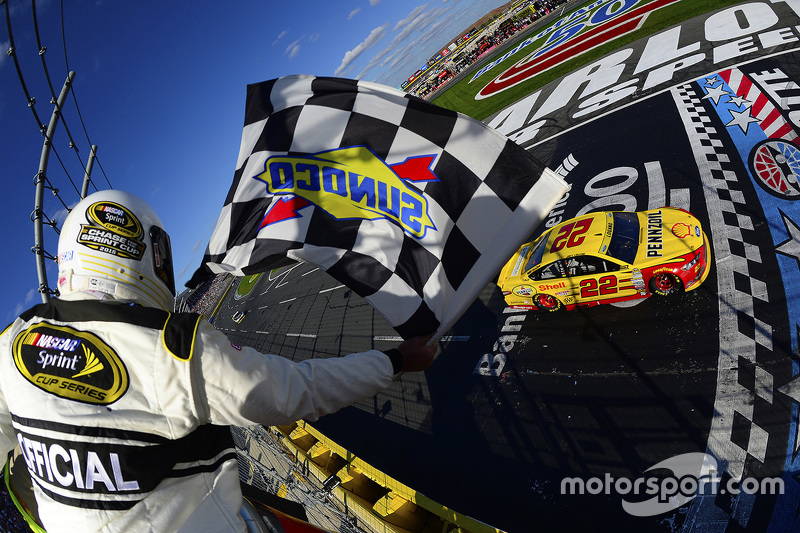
(503, 31)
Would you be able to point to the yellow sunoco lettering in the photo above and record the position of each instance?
(332, 183)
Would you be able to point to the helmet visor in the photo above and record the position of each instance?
(162, 257)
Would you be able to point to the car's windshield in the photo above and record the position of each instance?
(625, 239)
(537, 252)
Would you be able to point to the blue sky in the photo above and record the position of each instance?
(160, 87)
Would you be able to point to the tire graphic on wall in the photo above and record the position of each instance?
(776, 166)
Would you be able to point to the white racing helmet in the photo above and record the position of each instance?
(113, 243)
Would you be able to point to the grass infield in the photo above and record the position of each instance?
(461, 95)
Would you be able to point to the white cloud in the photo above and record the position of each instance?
(30, 297)
(374, 3)
(353, 13)
(371, 40)
(61, 215)
(280, 36)
(418, 19)
(4, 47)
(410, 18)
(293, 49)
(400, 55)
(184, 269)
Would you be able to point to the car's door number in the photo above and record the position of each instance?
(605, 286)
(571, 235)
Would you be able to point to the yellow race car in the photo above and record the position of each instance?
(608, 257)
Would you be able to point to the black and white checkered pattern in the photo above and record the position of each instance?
(742, 436)
(489, 197)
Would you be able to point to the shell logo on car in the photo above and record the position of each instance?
(681, 230)
(608, 257)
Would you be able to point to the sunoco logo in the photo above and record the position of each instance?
(350, 183)
(72, 364)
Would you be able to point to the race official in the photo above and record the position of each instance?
(120, 408)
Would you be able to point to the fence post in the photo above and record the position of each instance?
(40, 181)
(87, 177)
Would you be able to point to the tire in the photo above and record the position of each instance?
(545, 302)
(665, 284)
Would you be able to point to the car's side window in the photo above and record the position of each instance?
(586, 265)
(555, 269)
(608, 266)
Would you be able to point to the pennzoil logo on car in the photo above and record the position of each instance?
(72, 364)
(115, 231)
(350, 183)
(524, 290)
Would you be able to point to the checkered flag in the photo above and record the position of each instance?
(412, 206)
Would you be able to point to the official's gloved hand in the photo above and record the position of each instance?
(413, 355)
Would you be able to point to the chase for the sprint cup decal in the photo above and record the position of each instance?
(115, 231)
(350, 183)
(69, 363)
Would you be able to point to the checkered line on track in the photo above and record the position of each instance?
(744, 385)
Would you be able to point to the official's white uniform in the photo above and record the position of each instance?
(121, 412)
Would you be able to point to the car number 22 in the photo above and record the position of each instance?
(605, 286)
(570, 235)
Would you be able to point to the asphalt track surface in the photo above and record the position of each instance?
(519, 401)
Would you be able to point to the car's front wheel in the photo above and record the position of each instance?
(545, 302)
(665, 283)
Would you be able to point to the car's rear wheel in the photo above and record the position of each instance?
(665, 283)
(545, 302)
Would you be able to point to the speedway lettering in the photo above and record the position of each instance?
(782, 90)
(350, 183)
(730, 35)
